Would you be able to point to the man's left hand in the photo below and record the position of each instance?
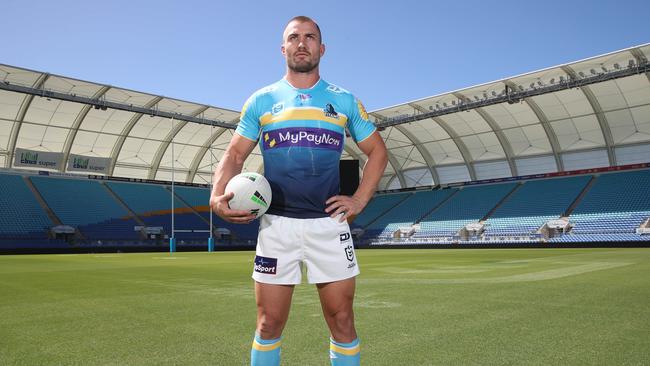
(348, 205)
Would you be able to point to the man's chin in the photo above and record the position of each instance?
(304, 68)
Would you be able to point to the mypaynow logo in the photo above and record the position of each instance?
(303, 136)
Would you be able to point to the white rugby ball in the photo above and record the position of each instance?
(252, 193)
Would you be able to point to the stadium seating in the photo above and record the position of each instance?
(616, 203)
(469, 205)
(152, 203)
(87, 206)
(21, 216)
(408, 211)
(199, 199)
(608, 210)
(379, 205)
(533, 204)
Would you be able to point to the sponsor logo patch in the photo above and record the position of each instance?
(303, 136)
(265, 265)
(277, 108)
(345, 239)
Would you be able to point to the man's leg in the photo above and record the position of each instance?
(336, 299)
(273, 304)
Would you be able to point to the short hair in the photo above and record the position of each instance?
(304, 19)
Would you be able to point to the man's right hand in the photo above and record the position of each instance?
(219, 205)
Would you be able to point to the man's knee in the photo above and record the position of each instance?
(342, 326)
(270, 326)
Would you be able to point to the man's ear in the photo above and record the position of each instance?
(322, 49)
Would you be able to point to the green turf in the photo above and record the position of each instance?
(413, 307)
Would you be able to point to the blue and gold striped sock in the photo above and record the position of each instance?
(345, 354)
(265, 352)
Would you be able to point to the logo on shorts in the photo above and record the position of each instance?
(345, 238)
(265, 265)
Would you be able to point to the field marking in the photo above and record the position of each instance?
(169, 257)
(550, 274)
(440, 270)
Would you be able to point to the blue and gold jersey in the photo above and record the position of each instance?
(301, 133)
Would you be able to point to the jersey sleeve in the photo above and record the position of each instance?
(359, 125)
(249, 121)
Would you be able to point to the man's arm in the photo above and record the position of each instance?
(230, 165)
(374, 148)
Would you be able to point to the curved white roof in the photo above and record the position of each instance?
(590, 113)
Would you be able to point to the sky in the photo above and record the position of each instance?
(386, 53)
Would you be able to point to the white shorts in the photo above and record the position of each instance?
(284, 245)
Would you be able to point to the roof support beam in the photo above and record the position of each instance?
(72, 134)
(640, 59)
(600, 116)
(418, 145)
(117, 148)
(167, 141)
(206, 148)
(505, 144)
(514, 95)
(391, 158)
(104, 104)
(464, 151)
(15, 130)
(550, 133)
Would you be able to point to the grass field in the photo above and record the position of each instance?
(413, 307)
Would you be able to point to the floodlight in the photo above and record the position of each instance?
(582, 74)
(617, 66)
(494, 94)
(603, 68)
(593, 72)
(521, 87)
(552, 80)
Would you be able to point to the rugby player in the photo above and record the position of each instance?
(300, 123)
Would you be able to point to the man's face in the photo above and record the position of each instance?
(302, 46)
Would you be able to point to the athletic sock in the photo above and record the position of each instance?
(344, 354)
(265, 352)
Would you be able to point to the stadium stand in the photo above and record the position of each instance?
(152, 203)
(198, 198)
(87, 206)
(605, 208)
(533, 204)
(408, 212)
(469, 205)
(618, 203)
(21, 216)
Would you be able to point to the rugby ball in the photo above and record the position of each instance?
(252, 193)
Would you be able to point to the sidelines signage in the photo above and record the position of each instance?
(80, 163)
(37, 159)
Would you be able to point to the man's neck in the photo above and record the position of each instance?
(302, 80)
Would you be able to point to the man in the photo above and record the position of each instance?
(300, 123)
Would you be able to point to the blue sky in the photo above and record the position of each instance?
(219, 52)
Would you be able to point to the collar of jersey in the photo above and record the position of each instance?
(299, 89)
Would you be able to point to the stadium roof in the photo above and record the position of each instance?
(585, 114)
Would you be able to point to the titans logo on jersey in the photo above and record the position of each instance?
(301, 133)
